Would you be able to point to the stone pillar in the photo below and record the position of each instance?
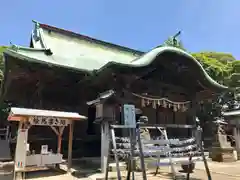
(221, 150)
(236, 134)
(104, 145)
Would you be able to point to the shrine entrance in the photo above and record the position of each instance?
(162, 111)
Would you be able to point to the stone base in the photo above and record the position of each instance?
(235, 155)
(238, 155)
(222, 154)
(113, 168)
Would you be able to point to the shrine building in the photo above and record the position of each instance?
(62, 70)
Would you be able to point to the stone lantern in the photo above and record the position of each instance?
(221, 149)
(105, 115)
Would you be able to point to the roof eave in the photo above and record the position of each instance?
(151, 56)
(32, 60)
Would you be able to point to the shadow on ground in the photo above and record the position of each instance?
(43, 174)
(85, 169)
(5, 176)
(6, 171)
(169, 175)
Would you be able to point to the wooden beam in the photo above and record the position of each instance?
(70, 139)
(192, 112)
(60, 139)
(161, 85)
(55, 130)
(203, 95)
(59, 144)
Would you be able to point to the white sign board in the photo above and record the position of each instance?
(99, 111)
(48, 121)
(129, 115)
(44, 149)
(28, 147)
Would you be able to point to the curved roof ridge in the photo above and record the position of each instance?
(149, 57)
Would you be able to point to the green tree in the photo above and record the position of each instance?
(223, 68)
(2, 48)
(4, 107)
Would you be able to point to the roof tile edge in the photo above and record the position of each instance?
(77, 35)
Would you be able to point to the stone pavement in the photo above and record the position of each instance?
(230, 169)
(220, 171)
(197, 175)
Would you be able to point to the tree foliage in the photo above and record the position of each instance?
(2, 48)
(223, 68)
(4, 107)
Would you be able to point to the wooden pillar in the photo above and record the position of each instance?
(60, 132)
(57, 132)
(104, 145)
(193, 113)
(70, 141)
(59, 144)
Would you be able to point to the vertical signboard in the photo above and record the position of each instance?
(99, 111)
(129, 115)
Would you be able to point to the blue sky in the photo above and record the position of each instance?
(206, 25)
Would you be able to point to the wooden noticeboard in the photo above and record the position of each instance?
(129, 115)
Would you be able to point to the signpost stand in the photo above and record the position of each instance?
(25, 160)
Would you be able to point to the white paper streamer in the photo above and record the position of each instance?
(166, 103)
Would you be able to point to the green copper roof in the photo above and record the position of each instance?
(39, 56)
(58, 47)
(90, 64)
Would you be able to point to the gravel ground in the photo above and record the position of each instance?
(219, 171)
(164, 175)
